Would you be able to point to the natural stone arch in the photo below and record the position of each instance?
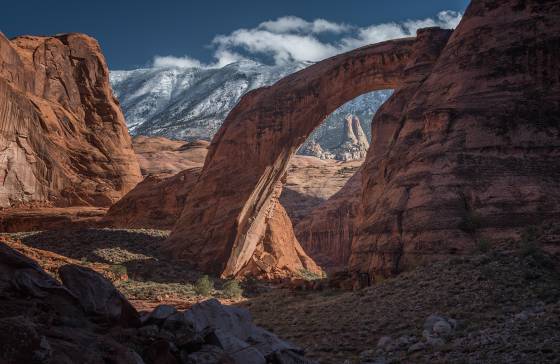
(225, 216)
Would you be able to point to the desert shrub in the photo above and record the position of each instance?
(232, 289)
(119, 269)
(345, 170)
(470, 222)
(204, 286)
(311, 276)
(483, 245)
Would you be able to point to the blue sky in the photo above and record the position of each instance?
(211, 33)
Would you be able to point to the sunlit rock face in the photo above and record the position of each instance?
(226, 215)
(63, 138)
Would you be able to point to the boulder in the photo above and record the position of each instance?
(98, 296)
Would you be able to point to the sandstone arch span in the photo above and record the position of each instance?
(226, 214)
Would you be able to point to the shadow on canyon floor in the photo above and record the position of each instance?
(502, 304)
(137, 251)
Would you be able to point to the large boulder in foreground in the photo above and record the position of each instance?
(86, 320)
(62, 134)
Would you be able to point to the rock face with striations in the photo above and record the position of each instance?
(224, 220)
(172, 168)
(327, 231)
(155, 203)
(63, 139)
(471, 152)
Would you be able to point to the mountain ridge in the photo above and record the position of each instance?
(191, 103)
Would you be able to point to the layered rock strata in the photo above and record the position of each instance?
(326, 233)
(470, 155)
(63, 139)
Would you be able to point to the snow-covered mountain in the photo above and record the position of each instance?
(192, 103)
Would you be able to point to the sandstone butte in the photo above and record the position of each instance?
(172, 168)
(465, 149)
(63, 138)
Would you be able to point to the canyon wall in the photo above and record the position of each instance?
(471, 154)
(326, 233)
(63, 139)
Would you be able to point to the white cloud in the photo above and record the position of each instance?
(282, 48)
(288, 39)
(381, 32)
(178, 62)
(291, 24)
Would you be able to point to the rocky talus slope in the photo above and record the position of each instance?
(83, 318)
(63, 138)
(502, 306)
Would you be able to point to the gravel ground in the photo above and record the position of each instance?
(152, 277)
(506, 306)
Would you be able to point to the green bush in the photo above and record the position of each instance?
(470, 222)
(204, 286)
(232, 289)
(483, 245)
(119, 269)
(311, 276)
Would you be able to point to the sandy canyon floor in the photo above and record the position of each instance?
(504, 304)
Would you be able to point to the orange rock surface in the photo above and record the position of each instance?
(63, 139)
(159, 155)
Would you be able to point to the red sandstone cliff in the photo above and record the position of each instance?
(327, 231)
(472, 152)
(465, 149)
(63, 139)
